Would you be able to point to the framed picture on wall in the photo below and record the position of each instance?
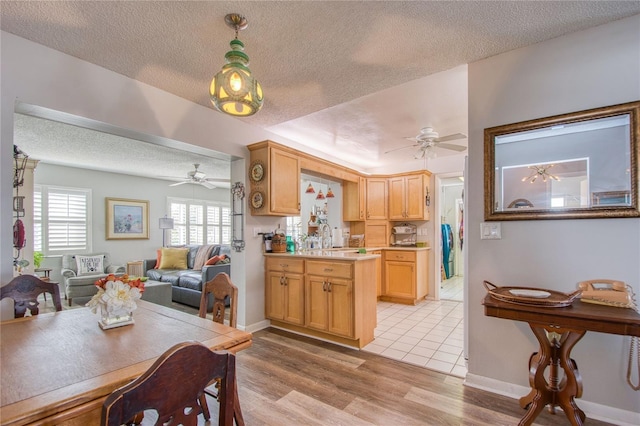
(127, 219)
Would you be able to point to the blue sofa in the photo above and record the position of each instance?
(186, 284)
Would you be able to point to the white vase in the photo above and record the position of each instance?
(113, 319)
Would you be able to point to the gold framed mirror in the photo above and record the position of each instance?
(578, 165)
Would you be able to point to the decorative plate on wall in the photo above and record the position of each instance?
(257, 199)
(256, 172)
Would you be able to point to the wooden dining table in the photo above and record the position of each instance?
(58, 368)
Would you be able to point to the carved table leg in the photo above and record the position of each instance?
(555, 352)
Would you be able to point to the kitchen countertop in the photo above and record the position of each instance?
(346, 253)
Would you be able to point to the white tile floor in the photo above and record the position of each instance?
(451, 289)
(429, 334)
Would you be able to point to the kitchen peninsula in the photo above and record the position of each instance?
(332, 294)
(325, 294)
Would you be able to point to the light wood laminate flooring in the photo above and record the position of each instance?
(287, 379)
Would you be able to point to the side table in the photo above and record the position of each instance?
(44, 277)
(45, 271)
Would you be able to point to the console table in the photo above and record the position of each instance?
(557, 331)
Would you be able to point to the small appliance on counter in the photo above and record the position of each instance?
(404, 235)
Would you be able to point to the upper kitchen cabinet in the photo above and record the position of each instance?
(274, 174)
(365, 199)
(408, 196)
(376, 199)
(354, 200)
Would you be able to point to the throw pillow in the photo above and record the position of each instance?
(173, 258)
(90, 265)
(213, 260)
(158, 258)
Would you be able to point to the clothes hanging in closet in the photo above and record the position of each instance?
(447, 246)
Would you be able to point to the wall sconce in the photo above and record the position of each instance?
(164, 224)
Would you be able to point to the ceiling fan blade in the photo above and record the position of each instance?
(452, 137)
(207, 184)
(221, 180)
(402, 147)
(452, 147)
(179, 183)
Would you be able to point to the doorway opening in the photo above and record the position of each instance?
(451, 238)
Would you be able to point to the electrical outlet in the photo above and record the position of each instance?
(256, 231)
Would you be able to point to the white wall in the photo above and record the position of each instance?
(114, 185)
(36, 75)
(589, 69)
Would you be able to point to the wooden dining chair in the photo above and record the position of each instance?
(221, 289)
(172, 387)
(25, 289)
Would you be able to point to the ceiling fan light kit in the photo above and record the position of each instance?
(233, 90)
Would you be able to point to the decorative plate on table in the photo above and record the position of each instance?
(256, 172)
(531, 296)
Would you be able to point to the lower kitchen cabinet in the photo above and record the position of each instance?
(285, 290)
(405, 276)
(331, 299)
(329, 305)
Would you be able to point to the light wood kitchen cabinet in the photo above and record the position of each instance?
(354, 200)
(329, 301)
(407, 197)
(405, 276)
(285, 290)
(376, 232)
(378, 276)
(376, 199)
(339, 297)
(274, 176)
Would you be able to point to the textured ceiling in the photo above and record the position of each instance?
(353, 77)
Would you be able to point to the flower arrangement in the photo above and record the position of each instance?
(116, 294)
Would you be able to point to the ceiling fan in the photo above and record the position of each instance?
(428, 139)
(195, 176)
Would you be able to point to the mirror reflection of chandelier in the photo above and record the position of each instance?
(542, 171)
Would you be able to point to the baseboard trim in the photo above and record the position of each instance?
(592, 410)
(256, 326)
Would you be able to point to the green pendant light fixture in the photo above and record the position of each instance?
(233, 90)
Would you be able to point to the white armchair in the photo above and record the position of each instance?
(81, 271)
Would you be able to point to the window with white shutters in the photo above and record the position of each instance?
(199, 222)
(61, 219)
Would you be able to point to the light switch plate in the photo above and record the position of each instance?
(490, 231)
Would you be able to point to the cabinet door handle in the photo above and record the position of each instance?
(284, 265)
(328, 269)
(329, 286)
(324, 286)
(282, 280)
(286, 281)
